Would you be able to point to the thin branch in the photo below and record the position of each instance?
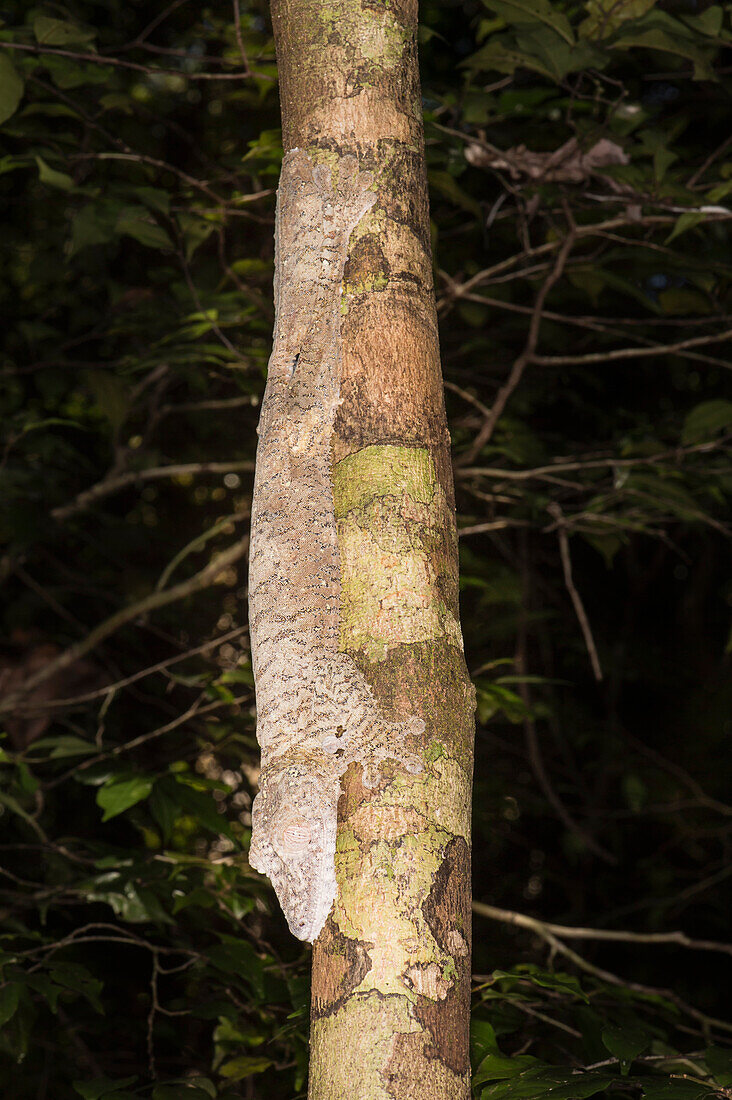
(593, 324)
(215, 403)
(203, 579)
(469, 397)
(554, 510)
(112, 689)
(239, 38)
(582, 231)
(570, 932)
(551, 935)
(709, 161)
(154, 24)
(527, 355)
(633, 353)
(592, 463)
(532, 739)
(109, 485)
(682, 775)
(117, 62)
(495, 525)
(154, 1007)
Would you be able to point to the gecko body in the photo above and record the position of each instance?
(316, 713)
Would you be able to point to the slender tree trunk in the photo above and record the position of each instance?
(391, 968)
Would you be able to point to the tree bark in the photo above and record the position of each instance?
(391, 968)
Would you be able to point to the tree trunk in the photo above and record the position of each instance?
(391, 967)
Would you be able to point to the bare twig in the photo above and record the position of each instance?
(533, 747)
(488, 274)
(709, 161)
(615, 354)
(527, 355)
(154, 1007)
(570, 932)
(239, 38)
(196, 583)
(682, 775)
(112, 689)
(579, 608)
(495, 525)
(593, 463)
(117, 62)
(109, 485)
(215, 403)
(553, 934)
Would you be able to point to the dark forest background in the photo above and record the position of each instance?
(581, 184)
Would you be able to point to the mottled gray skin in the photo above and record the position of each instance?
(316, 713)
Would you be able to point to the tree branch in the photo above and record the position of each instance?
(554, 510)
(527, 355)
(109, 485)
(198, 581)
(552, 935)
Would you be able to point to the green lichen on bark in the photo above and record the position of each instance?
(367, 33)
(392, 515)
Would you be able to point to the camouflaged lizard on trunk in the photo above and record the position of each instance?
(316, 713)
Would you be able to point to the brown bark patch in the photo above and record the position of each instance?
(447, 912)
(391, 385)
(430, 672)
(409, 206)
(366, 267)
(339, 966)
(353, 792)
(412, 1071)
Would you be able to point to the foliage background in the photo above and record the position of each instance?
(585, 317)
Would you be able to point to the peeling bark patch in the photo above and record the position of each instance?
(447, 912)
(348, 962)
(428, 981)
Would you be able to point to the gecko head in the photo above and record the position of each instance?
(293, 842)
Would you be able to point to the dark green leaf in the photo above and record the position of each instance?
(11, 88)
(674, 1088)
(482, 1039)
(136, 223)
(100, 1087)
(244, 1066)
(121, 792)
(53, 177)
(237, 956)
(180, 1091)
(531, 11)
(719, 1061)
(59, 32)
(557, 1086)
(625, 1044)
(9, 995)
(706, 421)
(498, 1067)
(65, 745)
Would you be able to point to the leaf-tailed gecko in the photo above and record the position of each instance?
(316, 713)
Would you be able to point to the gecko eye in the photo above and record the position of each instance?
(295, 837)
